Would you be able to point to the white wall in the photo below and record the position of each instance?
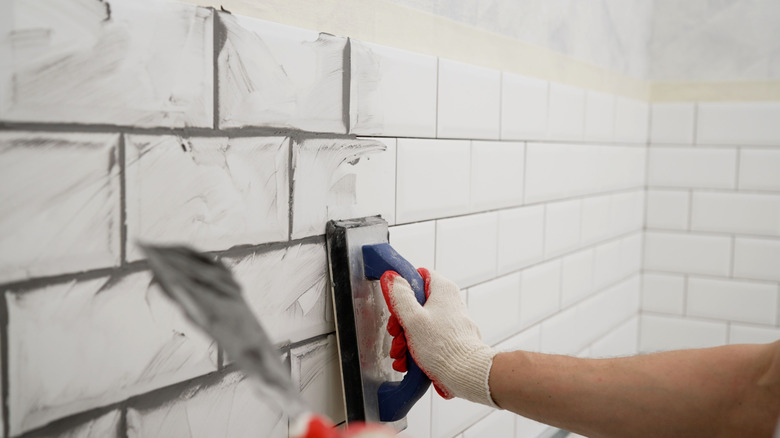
(712, 249)
(167, 122)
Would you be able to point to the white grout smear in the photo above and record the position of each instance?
(142, 63)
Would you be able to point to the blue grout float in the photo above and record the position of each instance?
(359, 253)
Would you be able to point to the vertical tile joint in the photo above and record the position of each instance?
(346, 76)
(122, 200)
(4, 359)
(217, 43)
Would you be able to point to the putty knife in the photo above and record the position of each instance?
(358, 252)
(211, 298)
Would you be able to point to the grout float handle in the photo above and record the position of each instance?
(397, 398)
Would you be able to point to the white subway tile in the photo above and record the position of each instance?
(528, 340)
(622, 341)
(658, 333)
(667, 209)
(450, 417)
(562, 227)
(520, 237)
(415, 242)
(419, 417)
(566, 112)
(759, 169)
(745, 334)
(555, 171)
(213, 193)
(527, 428)
(60, 197)
(631, 120)
(140, 63)
(523, 107)
(596, 221)
(732, 300)
(341, 179)
(627, 212)
(466, 248)
(737, 123)
(602, 312)
(672, 123)
(496, 174)
(497, 424)
(469, 101)
(539, 292)
(108, 425)
(432, 178)
(663, 293)
(631, 254)
(273, 75)
(599, 116)
(757, 258)
(691, 167)
(687, 253)
(392, 91)
(287, 289)
(577, 276)
(742, 213)
(563, 333)
(607, 268)
(83, 344)
(316, 374)
(229, 406)
(495, 307)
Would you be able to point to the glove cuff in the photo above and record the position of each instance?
(472, 379)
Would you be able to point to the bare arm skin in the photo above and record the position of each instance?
(730, 391)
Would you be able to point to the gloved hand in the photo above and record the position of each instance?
(315, 426)
(440, 336)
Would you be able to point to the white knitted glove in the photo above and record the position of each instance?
(442, 339)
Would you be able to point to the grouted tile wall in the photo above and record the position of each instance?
(130, 121)
(712, 250)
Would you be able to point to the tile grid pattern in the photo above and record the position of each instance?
(532, 199)
(712, 253)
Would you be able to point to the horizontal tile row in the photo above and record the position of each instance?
(714, 211)
(716, 123)
(660, 332)
(474, 248)
(211, 192)
(293, 79)
(437, 178)
(122, 329)
(752, 258)
(711, 297)
(714, 168)
(223, 404)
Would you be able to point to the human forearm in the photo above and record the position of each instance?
(707, 392)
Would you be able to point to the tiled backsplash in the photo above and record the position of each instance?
(243, 137)
(712, 247)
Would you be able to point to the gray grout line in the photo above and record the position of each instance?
(500, 104)
(716, 190)
(216, 42)
(732, 254)
(4, 380)
(636, 189)
(436, 120)
(346, 85)
(690, 211)
(686, 279)
(736, 170)
(290, 189)
(122, 201)
(695, 122)
(711, 276)
(713, 233)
